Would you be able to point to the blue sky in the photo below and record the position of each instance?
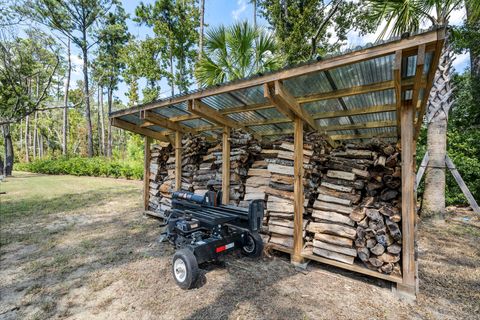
(226, 12)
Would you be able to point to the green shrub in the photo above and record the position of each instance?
(96, 167)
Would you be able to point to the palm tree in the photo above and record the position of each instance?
(407, 16)
(236, 52)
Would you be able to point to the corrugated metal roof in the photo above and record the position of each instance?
(353, 75)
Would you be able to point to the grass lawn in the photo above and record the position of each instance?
(80, 248)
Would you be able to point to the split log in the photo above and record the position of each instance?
(334, 229)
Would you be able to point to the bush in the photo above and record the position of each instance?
(96, 167)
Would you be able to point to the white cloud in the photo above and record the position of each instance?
(242, 6)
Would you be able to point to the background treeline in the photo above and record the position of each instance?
(50, 125)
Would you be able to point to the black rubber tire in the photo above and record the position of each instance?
(257, 242)
(191, 267)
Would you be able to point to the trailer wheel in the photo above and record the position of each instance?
(253, 245)
(185, 268)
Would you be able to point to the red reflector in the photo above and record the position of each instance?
(220, 249)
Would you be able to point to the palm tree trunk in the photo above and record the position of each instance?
(439, 103)
(65, 103)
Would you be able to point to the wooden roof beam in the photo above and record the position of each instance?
(363, 136)
(430, 79)
(152, 117)
(280, 104)
(418, 75)
(137, 129)
(207, 112)
(354, 112)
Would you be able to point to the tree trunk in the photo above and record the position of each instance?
(109, 134)
(102, 121)
(99, 132)
(1, 166)
(439, 103)
(21, 136)
(254, 14)
(65, 103)
(8, 150)
(88, 117)
(27, 138)
(35, 136)
(172, 79)
(200, 31)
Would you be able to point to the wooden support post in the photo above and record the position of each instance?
(178, 161)
(408, 286)
(146, 172)
(299, 198)
(226, 166)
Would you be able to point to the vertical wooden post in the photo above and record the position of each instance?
(299, 198)
(146, 172)
(226, 165)
(178, 160)
(408, 286)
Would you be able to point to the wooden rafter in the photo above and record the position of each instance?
(430, 79)
(363, 136)
(418, 74)
(119, 123)
(152, 117)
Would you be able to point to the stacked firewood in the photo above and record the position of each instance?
(378, 238)
(338, 194)
(244, 149)
(194, 148)
(280, 201)
(357, 210)
(158, 172)
(204, 178)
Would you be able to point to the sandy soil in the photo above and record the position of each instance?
(101, 259)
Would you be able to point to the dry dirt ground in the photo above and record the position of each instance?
(79, 248)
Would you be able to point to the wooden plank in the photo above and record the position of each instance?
(354, 112)
(226, 165)
(119, 123)
(461, 184)
(363, 136)
(421, 171)
(154, 118)
(211, 114)
(408, 199)
(325, 64)
(397, 79)
(430, 79)
(418, 74)
(363, 125)
(146, 171)
(298, 192)
(178, 161)
(282, 96)
(354, 267)
(333, 255)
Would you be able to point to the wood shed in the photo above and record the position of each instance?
(375, 92)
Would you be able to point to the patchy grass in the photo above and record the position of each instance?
(79, 248)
